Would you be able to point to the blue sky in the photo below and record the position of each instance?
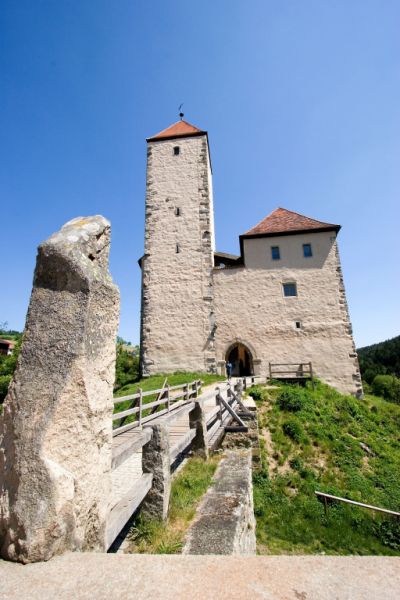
(300, 99)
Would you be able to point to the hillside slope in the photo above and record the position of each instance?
(322, 440)
(380, 359)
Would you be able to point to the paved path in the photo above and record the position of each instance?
(141, 577)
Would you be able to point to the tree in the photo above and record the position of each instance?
(7, 368)
(126, 366)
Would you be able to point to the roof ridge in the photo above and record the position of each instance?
(180, 128)
(283, 220)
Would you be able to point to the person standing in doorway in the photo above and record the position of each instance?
(229, 369)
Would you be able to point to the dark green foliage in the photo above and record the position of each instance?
(389, 533)
(5, 381)
(257, 392)
(328, 457)
(387, 386)
(292, 399)
(126, 366)
(293, 429)
(7, 367)
(380, 359)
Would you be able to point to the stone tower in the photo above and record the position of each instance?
(177, 320)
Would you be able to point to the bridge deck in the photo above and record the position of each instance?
(129, 484)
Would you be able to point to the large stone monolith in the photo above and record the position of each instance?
(55, 432)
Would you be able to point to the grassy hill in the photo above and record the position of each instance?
(380, 359)
(322, 440)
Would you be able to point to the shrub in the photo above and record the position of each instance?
(126, 367)
(257, 392)
(389, 533)
(387, 386)
(293, 429)
(4, 383)
(291, 399)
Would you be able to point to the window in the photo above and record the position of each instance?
(178, 211)
(176, 150)
(289, 289)
(297, 324)
(275, 253)
(177, 249)
(307, 250)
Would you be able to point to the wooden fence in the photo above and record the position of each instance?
(139, 408)
(291, 371)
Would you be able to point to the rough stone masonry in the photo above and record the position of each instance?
(55, 432)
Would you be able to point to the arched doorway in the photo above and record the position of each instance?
(241, 359)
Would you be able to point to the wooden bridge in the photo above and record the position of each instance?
(192, 418)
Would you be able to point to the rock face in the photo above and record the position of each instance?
(56, 431)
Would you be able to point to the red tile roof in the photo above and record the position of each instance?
(178, 129)
(282, 221)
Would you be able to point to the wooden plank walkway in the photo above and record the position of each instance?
(129, 484)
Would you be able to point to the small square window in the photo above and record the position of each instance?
(297, 324)
(289, 289)
(178, 211)
(176, 150)
(275, 253)
(307, 250)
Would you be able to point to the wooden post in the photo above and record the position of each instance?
(197, 421)
(311, 374)
(168, 398)
(140, 392)
(186, 391)
(218, 403)
(270, 370)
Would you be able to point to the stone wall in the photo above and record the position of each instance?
(176, 319)
(224, 522)
(250, 307)
(55, 432)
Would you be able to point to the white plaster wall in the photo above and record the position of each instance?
(250, 306)
(257, 251)
(177, 287)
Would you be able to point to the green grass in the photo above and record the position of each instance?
(189, 485)
(316, 446)
(156, 382)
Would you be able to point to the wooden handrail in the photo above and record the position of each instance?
(361, 504)
(163, 398)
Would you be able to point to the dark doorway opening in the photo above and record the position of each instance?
(241, 359)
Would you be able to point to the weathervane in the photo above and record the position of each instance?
(181, 114)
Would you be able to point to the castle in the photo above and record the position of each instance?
(281, 301)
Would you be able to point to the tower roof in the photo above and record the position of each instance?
(178, 129)
(286, 222)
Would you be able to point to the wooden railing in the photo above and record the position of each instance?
(139, 408)
(326, 498)
(227, 406)
(291, 371)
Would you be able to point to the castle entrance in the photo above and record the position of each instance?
(242, 361)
